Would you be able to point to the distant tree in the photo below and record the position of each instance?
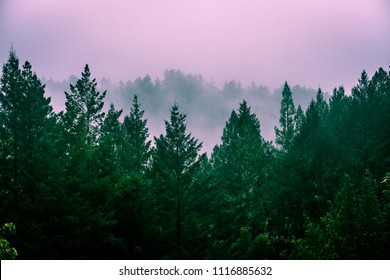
(286, 133)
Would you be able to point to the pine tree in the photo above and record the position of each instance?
(338, 105)
(380, 144)
(26, 120)
(360, 91)
(81, 127)
(239, 165)
(286, 133)
(321, 104)
(85, 102)
(37, 124)
(109, 142)
(225, 156)
(175, 161)
(299, 119)
(11, 100)
(135, 147)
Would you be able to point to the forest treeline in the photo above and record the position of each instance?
(206, 105)
(89, 184)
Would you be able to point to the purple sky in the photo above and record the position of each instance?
(313, 43)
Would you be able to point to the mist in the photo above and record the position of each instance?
(206, 105)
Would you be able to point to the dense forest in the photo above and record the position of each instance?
(90, 183)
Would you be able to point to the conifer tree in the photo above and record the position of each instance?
(174, 164)
(109, 142)
(238, 166)
(321, 104)
(135, 147)
(299, 119)
(85, 103)
(11, 101)
(286, 133)
(37, 124)
(26, 118)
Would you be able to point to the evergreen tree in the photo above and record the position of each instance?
(37, 124)
(11, 108)
(85, 103)
(360, 91)
(135, 147)
(109, 142)
(27, 119)
(299, 119)
(380, 84)
(81, 127)
(353, 227)
(174, 164)
(286, 133)
(239, 169)
(321, 104)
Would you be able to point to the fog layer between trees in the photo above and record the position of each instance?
(206, 105)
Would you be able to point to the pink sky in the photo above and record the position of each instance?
(313, 43)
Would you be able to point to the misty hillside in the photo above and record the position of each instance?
(206, 105)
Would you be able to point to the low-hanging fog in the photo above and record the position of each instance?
(206, 105)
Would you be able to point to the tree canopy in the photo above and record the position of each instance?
(92, 183)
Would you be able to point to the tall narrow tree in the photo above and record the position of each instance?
(135, 146)
(84, 101)
(37, 120)
(285, 135)
(11, 108)
(109, 142)
(174, 164)
(239, 165)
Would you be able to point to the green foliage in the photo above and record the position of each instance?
(239, 174)
(109, 142)
(7, 252)
(82, 184)
(353, 228)
(134, 146)
(286, 133)
(84, 106)
(175, 161)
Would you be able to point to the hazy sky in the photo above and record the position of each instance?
(314, 43)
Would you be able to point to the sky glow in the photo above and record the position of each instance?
(311, 43)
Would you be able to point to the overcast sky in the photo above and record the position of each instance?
(313, 43)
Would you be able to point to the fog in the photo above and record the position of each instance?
(206, 105)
